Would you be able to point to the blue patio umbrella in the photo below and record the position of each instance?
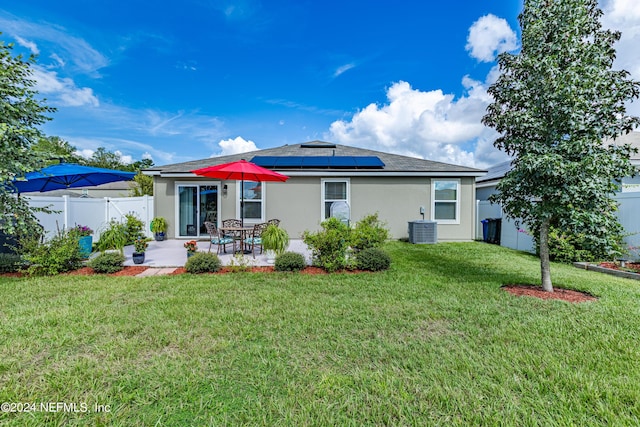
(68, 175)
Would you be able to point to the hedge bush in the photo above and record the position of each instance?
(203, 262)
(58, 255)
(369, 232)
(373, 259)
(329, 246)
(290, 261)
(107, 262)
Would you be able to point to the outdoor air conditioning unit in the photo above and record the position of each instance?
(423, 231)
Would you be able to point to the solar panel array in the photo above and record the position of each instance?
(318, 162)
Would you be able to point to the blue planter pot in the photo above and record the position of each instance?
(86, 243)
(138, 257)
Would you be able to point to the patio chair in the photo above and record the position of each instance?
(255, 238)
(216, 238)
(274, 221)
(235, 235)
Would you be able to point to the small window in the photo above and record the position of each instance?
(333, 190)
(252, 198)
(446, 201)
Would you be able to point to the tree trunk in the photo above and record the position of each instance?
(545, 267)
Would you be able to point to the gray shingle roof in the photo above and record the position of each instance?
(496, 172)
(393, 163)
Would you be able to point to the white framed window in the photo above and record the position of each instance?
(445, 201)
(252, 199)
(334, 190)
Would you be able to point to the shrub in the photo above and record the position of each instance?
(159, 225)
(107, 262)
(134, 227)
(10, 263)
(373, 259)
(290, 261)
(567, 246)
(239, 263)
(329, 246)
(369, 232)
(58, 255)
(203, 262)
(113, 236)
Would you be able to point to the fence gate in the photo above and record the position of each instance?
(95, 213)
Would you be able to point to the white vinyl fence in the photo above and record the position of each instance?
(515, 234)
(629, 216)
(94, 213)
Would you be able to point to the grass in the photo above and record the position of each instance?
(433, 341)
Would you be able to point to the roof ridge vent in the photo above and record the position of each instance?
(317, 144)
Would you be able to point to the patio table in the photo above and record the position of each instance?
(239, 233)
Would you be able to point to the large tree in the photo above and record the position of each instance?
(21, 114)
(554, 104)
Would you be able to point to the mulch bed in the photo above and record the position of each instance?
(263, 269)
(130, 270)
(630, 266)
(558, 293)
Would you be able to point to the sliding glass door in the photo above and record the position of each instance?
(197, 203)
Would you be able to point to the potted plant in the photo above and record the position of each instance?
(85, 240)
(275, 241)
(191, 246)
(159, 226)
(139, 248)
(113, 237)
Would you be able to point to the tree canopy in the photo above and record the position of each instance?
(554, 104)
(21, 114)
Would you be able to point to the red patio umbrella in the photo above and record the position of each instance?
(241, 170)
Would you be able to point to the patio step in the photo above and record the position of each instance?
(156, 272)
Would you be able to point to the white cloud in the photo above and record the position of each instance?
(489, 36)
(126, 159)
(85, 152)
(430, 125)
(236, 146)
(28, 44)
(69, 48)
(622, 10)
(343, 69)
(63, 91)
(437, 126)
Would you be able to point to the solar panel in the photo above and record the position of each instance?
(319, 162)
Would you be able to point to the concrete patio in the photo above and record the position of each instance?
(171, 253)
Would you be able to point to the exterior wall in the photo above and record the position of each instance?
(483, 193)
(465, 230)
(164, 202)
(298, 203)
(397, 201)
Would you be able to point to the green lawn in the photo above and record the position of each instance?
(433, 341)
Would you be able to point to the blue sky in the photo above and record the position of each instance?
(199, 78)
